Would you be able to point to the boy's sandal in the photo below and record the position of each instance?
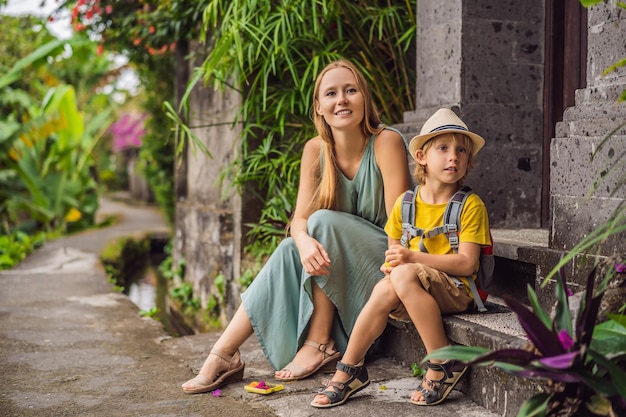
(232, 371)
(331, 356)
(438, 390)
(339, 392)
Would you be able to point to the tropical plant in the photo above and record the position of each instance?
(150, 34)
(270, 52)
(53, 111)
(45, 152)
(583, 364)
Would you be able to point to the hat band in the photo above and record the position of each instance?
(447, 127)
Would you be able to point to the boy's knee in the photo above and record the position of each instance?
(384, 292)
(402, 272)
(405, 274)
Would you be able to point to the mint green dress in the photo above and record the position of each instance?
(279, 301)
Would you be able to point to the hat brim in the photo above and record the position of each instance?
(418, 141)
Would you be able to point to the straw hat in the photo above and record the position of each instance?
(444, 121)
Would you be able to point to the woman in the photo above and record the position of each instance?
(305, 300)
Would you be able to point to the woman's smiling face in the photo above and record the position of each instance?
(339, 99)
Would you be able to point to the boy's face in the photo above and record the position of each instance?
(445, 157)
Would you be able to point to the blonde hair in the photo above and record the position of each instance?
(420, 173)
(325, 193)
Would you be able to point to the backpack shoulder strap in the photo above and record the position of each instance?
(409, 231)
(452, 215)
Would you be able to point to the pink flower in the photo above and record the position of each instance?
(127, 132)
(620, 268)
(217, 393)
(565, 339)
(262, 385)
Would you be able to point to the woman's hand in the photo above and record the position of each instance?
(396, 255)
(313, 256)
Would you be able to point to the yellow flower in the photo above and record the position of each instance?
(73, 215)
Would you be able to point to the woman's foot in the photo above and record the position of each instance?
(347, 381)
(218, 370)
(311, 358)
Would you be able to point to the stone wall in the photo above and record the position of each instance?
(208, 222)
(484, 58)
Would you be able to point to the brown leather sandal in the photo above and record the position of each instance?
(231, 371)
(331, 356)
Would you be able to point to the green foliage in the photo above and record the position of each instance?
(156, 156)
(416, 370)
(184, 295)
(148, 34)
(143, 29)
(50, 121)
(153, 312)
(167, 268)
(15, 246)
(246, 279)
(271, 52)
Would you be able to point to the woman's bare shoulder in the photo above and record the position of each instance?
(387, 135)
(389, 142)
(313, 145)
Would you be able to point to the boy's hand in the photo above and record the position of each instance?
(386, 268)
(396, 255)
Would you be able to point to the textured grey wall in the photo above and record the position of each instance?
(484, 58)
(208, 223)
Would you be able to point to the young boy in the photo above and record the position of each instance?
(419, 284)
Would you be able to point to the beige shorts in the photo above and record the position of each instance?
(450, 298)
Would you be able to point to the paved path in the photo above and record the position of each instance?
(71, 346)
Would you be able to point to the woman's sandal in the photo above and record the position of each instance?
(231, 371)
(331, 356)
(439, 389)
(339, 392)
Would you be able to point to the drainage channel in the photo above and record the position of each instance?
(149, 291)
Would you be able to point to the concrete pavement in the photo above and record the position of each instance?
(72, 346)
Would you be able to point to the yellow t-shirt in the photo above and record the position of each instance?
(474, 224)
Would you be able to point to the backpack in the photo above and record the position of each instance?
(451, 227)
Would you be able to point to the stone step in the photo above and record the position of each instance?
(601, 95)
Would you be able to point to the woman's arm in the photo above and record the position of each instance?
(391, 157)
(313, 256)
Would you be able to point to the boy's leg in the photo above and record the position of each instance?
(421, 307)
(412, 282)
(369, 325)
